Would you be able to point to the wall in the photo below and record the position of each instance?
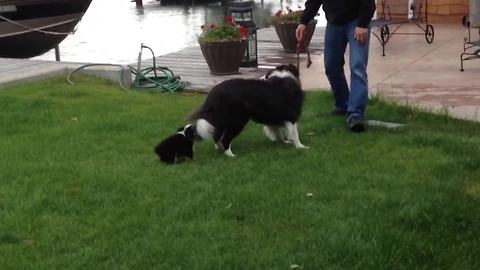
(450, 11)
(439, 11)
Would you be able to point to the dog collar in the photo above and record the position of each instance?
(183, 134)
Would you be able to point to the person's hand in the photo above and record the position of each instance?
(361, 35)
(300, 33)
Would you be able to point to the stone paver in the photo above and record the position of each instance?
(414, 72)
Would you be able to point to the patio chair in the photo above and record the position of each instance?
(471, 47)
(399, 13)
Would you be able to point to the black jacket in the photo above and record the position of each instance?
(340, 12)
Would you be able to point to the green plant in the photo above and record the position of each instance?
(287, 16)
(225, 32)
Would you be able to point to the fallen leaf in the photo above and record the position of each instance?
(73, 190)
(28, 242)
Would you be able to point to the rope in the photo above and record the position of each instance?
(309, 60)
(37, 29)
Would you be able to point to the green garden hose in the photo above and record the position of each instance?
(145, 80)
(151, 79)
(163, 80)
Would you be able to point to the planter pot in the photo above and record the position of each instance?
(286, 34)
(223, 58)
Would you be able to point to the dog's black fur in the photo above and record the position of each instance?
(177, 147)
(272, 101)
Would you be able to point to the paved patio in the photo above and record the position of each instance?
(414, 72)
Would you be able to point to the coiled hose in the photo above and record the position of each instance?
(151, 79)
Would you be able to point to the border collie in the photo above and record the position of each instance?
(275, 101)
(177, 147)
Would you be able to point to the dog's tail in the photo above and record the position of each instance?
(204, 129)
(202, 121)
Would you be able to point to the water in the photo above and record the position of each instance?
(112, 30)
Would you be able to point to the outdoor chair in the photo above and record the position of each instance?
(397, 13)
(471, 46)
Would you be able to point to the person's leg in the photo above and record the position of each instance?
(358, 99)
(335, 45)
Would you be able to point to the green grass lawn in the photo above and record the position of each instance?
(80, 188)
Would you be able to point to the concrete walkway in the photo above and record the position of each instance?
(16, 71)
(414, 72)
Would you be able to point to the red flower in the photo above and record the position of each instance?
(229, 20)
(287, 15)
(243, 32)
(225, 31)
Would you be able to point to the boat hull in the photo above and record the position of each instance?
(190, 2)
(37, 27)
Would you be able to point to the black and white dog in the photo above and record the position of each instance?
(275, 101)
(177, 147)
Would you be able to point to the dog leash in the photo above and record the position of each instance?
(309, 60)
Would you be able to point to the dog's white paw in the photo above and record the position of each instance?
(300, 146)
(229, 153)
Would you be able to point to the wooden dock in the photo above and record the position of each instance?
(190, 64)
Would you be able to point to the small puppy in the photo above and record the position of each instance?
(177, 147)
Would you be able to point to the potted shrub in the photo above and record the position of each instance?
(223, 46)
(286, 23)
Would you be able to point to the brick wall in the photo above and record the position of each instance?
(439, 11)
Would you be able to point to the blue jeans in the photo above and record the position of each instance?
(355, 100)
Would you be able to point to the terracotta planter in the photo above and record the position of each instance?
(223, 58)
(286, 34)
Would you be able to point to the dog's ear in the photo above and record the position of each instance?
(165, 150)
(269, 73)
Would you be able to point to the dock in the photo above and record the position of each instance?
(190, 64)
(187, 63)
